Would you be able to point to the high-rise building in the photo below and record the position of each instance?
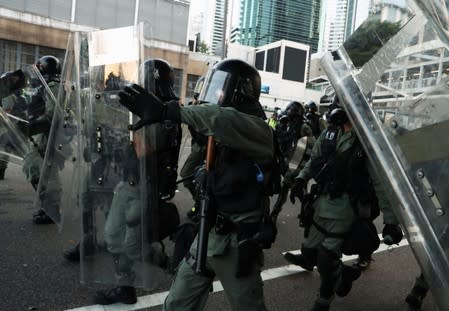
(214, 26)
(334, 24)
(235, 35)
(340, 18)
(266, 21)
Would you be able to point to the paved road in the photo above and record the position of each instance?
(34, 276)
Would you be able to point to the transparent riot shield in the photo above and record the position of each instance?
(39, 112)
(14, 145)
(396, 96)
(118, 173)
(59, 175)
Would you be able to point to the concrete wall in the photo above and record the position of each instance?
(32, 34)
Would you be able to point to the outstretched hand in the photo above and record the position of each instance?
(147, 106)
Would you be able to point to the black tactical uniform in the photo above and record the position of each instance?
(40, 116)
(345, 180)
(314, 118)
(122, 240)
(237, 189)
(291, 127)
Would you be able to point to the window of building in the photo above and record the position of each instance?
(260, 60)
(8, 56)
(14, 55)
(27, 54)
(178, 81)
(294, 64)
(191, 82)
(273, 59)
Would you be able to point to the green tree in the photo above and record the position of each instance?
(368, 39)
(203, 48)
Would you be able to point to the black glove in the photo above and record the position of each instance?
(37, 127)
(298, 189)
(267, 233)
(147, 106)
(24, 128)
(12, 82)
(392, 234)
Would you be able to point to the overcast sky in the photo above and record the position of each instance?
(197, 6)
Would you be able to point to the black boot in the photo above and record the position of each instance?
(348, 275)
(416, 297)
(73, 253)
(41, 218)
(2, 173)
(298, 260)
(306, 260)
(123, 294)
(320, 306)
(330, 268)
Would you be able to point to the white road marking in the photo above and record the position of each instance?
(157, 299)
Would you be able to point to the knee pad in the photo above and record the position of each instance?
(330, 268)
(310, 254)
(327, 261)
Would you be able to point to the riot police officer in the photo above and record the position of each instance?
(11, 82)
(14, 105)
(344, 175)
(40, 115)
(290, 128)
(123, 240)
(237, 184)
(314, 118)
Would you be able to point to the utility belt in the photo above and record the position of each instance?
(333, 189)
(342, 235)
(251, 238)
(224, 226)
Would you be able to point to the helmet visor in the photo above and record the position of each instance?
(199, 85)
(218, 89)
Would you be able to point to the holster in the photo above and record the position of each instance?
(307, 209)
(248, 253)
(248, 249)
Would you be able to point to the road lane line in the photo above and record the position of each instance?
(157, 299)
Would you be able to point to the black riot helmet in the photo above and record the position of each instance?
(335, 104)
(49, 67)
(294, 109)
(338, 117)
(159, 78)
(310, 106)
(5, 74)
(234, 83)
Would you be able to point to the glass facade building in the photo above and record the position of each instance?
(266, 21)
